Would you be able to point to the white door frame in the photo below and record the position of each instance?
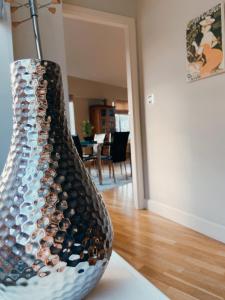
(129, 27)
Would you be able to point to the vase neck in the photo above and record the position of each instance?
(36, 95)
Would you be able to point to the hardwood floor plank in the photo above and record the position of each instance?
(179, 295)
(184, 264)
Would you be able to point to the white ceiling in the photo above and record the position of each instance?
(95, 52)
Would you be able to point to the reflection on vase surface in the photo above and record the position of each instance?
(55, 232)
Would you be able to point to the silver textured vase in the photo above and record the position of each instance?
(55, 232)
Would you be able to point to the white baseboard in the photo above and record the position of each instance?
(208, 228)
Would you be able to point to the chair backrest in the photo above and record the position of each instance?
(99, 138)
(77, 144)
(119, 146)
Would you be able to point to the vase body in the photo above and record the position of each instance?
(55, 232)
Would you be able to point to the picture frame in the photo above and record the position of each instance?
(205, 54)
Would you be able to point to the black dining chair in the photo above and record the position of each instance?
(85, 157)
(78, 146)
(118, 151)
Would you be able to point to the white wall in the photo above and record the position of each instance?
(100, 53)
(185, 128)
(6, 57)
(52, 38)
(124, 7)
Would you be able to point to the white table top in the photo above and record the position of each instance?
(122, 282)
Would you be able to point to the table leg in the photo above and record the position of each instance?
(99, 162)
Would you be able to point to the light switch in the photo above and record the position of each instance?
(151, 99)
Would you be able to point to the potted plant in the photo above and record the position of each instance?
(87, 130)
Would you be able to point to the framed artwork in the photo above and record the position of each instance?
(205, 44)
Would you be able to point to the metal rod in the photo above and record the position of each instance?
(1, 8)
(34, 16)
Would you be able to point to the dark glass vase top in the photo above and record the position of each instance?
(55, 232)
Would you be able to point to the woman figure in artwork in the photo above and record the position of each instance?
(211, 57)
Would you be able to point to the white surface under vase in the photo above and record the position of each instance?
(121, 281)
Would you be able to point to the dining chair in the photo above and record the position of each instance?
(86, 157)
(78, 146)
(118, 149)
(99, 138)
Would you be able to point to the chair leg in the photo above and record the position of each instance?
(121, 170)
(114, 177)
(131, 174)
(110, 170)
(96, 166)
(89, 168)
(93, 165)
(125, 167)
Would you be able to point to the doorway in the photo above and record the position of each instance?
(127, 25)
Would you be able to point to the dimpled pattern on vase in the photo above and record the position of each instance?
(55, 232)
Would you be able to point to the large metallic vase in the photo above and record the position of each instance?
(55, 232)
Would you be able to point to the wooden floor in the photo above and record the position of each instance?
(185, 265)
